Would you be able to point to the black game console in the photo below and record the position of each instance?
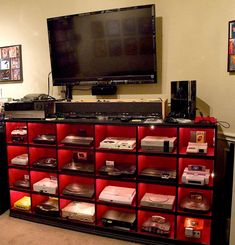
(119, 220)
(22, 183)
(159, 174)
(48, 162)
(79, 167)
(74, 140)
(45, 139)
(79, 190)
(121, 170)
(49, 207)
(81, 162)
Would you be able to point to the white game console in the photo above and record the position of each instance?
(158, 201)
(197, 148)
(118, 143)
(116, 194)
(196, 175)
(81, 211)
(46, 185)
(158, 143)
(20, 160)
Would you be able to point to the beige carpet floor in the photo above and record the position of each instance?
(15, 231)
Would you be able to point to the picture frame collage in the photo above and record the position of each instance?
(231, 46)
(11, 63)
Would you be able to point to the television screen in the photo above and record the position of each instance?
(112, 45)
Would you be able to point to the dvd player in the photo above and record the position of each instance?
(29, 109)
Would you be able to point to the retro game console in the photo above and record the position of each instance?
(158, 144)
(49, 207)
(19, 135)
(119, 220)
(77, 140)
(116, 194)
(81, 211)
(45, 139)
(22, 183)
(126, 144)
(23, 203)
(46, 185)
(79, 190)
(196, 175)
(20, 160)
(109, 143)
(159, 173)
(48, 162)
(118, 143)
(157, 225)
(81, 162)
(79, 167)
(158, 201)
(197, 148)
(195, 202)
(193, 228)
(118, 169)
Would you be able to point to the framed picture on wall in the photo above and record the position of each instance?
(231, 46)
(11, 63)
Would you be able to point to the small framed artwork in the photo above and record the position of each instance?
(231, 46)
(11, 63)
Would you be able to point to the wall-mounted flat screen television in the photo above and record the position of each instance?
(115, 46)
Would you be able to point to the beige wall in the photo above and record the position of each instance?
(192, 42)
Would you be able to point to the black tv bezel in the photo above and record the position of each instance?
(123, 79)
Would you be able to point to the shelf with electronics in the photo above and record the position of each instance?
(115, 178)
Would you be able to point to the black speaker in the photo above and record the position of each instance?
(114, 108)
(183, 99)
(103, 89)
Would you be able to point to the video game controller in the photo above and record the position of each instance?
(205, 120)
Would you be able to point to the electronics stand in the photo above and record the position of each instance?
(69, 92)
(139, 230)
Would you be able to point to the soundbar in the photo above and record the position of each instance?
(145, 108)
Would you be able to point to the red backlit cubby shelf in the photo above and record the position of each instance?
(154, 195)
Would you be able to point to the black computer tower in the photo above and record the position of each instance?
(183, 99)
